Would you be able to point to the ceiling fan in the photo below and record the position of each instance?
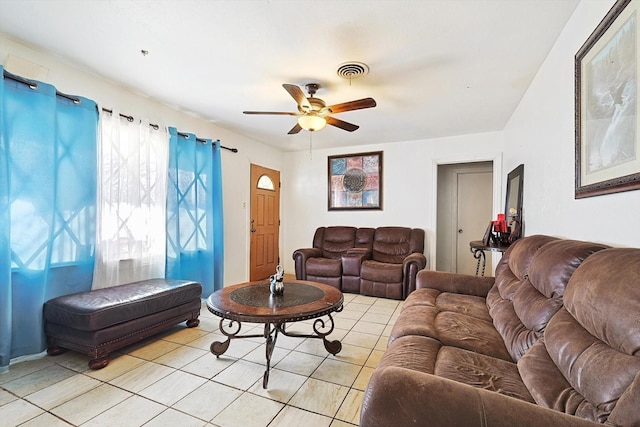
(313, 114)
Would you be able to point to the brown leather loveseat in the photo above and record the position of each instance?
(552, 340)
(381, 262)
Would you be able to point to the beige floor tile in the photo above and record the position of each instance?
(344, 323)
(209, 365)
(173, 418)
(348, 314)
(204, 342)
(258, 355)
(172, 388)
(387, 331)
(320, 397)
(299, 363)
(116, 367)
(6, 397)
(18, 412)
(352, 354)
(374, 358)
(181, 356)
(350, 409)
(381, 309)
(248, 410)
(37, 380)
(360, 339)
(355, 307)
(45, 420)
(364, 299)
(241, 374)
(338, 423)
(384, 302)
(363, 378)
(376, 318)
(60, 392)
(282, 385)
(73, 360)
(141, 377)
(209, 324)
(25, 368)
(134, 411)
(84, 407)
(293, 417)
(240, 347)
(208, 400)
(149, 350)
(185, 335)
(368, 327)
(382, 344)
(313, 346)
(337, 372)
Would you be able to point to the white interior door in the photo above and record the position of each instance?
(475, 198)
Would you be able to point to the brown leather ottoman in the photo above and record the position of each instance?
(101, 321)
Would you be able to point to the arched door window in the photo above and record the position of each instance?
(265, 183)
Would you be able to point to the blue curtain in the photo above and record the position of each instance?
(47, 206)
(194, 211)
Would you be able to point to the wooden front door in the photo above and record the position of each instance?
(265, 222)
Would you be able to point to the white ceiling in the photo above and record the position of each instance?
(437, 67)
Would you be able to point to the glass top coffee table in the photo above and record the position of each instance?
(252, 302)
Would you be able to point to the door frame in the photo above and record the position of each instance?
(498, 205)
(250, 213)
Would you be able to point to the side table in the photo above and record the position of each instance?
(478, 250)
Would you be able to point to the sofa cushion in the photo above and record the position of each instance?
(471, 305)
(589, 358)
(481, 371)
(450, 328)
(336, 241)
(529, 287)
(381, 272)
(324, 267)
(429, 356)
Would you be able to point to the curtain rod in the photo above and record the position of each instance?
(184, 135)
(129, 118)
(156, 127)
(34, 85)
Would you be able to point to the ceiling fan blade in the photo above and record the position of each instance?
(295, 129)
(297, 94)
(353, 105)
(349, 127)
(279, 113)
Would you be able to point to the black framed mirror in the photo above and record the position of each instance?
(513, 205)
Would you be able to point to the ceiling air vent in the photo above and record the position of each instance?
(353, 70)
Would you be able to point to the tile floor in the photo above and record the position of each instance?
(172, 379)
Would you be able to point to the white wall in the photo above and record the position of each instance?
(71, 79)
(540, 134)
(409, 183)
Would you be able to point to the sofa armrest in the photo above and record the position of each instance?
(352, 261)
(454, 283)
(300, 256)
(411, 265)
(403, 397)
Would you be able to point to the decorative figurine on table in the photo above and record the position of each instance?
(276, 286)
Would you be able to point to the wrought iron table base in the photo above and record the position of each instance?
(271, 331)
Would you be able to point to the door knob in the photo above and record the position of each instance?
(253, 229)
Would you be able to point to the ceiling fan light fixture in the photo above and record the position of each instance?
(312, 122)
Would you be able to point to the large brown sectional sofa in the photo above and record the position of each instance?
(381, 262)
(552, 340)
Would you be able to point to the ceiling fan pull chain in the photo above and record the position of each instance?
(310, 145)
